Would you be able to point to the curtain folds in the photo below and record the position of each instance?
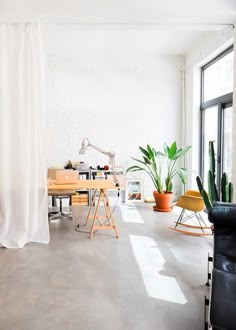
(23, 179)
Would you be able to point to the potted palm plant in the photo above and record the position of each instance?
(161, 166)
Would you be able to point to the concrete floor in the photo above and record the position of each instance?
(150, 278)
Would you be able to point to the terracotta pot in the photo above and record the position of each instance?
(163, 201)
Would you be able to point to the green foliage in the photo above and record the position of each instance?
(226, 192)
(199, 183)
(224, 188)
(231, 192)
(206, 199)
(212, 159)
(156, 163)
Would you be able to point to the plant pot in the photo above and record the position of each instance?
(163, 201)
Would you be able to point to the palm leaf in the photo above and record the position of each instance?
(139, 161)
(182, 174)
(147, 161)
(145, 152)
(160, 154)
(135, 168)
(150, 151)
(172, 151)
(182, 152)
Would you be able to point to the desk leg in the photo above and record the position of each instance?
(95, 214)
(109, 212)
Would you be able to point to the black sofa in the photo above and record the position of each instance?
(223, 289)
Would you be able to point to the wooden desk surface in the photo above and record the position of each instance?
(83, 184)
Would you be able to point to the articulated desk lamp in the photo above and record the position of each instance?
(86, 143)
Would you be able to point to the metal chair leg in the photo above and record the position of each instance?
(209, 259)
(180, 218)
(206, 305)
(59, 214)
(199, 221)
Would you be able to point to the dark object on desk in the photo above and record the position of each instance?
(223, 291)
(69, 166)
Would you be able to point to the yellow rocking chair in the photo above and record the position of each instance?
(191, 201)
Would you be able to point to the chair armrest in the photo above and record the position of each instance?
(223, 214)
(217, 204)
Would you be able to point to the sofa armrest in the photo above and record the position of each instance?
(217, 204)
(223, 214)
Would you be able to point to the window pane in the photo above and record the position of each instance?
(227, 143)
(218, 78)
(210, 134)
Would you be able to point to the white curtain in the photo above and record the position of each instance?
(23, 179)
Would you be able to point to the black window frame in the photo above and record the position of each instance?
(222, 102)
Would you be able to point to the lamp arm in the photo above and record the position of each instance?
(110, 154)
(114, 170)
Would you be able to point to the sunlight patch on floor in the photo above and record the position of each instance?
(130, 214)
(151, 263)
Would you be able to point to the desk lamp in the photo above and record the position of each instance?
(111, 155)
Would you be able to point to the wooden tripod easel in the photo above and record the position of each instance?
(108, 219)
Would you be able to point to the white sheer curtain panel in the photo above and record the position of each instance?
(23, 179)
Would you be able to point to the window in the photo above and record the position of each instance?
(216, 113)
(218, 77)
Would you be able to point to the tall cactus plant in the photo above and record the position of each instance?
(226, 192)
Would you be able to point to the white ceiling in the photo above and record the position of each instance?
(174, 23)
(118, 11)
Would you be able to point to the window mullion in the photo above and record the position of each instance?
(219, 144)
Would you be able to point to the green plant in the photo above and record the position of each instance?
(225, 194)
(161, 165)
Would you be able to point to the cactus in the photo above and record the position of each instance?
(224, 188)
(206, 199)
(226, 193)
(199, 183)
(231, 192)
(203, 192)
(212, 159)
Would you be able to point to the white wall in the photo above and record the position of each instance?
(112, 86)
(207, 48)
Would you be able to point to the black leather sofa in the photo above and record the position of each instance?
(223, 288)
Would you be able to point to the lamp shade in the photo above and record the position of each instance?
(85, 144)
(82, 150)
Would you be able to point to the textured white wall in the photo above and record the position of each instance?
(112, 87)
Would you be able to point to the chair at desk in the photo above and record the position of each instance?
(59, 195)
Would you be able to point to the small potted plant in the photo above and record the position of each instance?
(161, 166)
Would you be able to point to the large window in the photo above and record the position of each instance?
(216, 113)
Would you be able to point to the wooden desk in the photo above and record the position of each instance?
(100, 187)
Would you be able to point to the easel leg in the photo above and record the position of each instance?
(95, 214)
(105, 207)
(90, 208)
(108, 208)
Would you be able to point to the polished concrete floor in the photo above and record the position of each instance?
(150, 278)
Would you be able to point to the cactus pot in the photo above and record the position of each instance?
(163, 201)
